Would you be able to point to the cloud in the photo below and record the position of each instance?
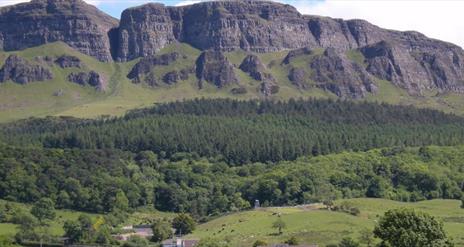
(11, 2)
(436, 19)
(188, 2)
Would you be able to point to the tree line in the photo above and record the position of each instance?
(241, 132)
(97, 180)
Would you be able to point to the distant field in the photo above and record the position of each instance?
(37, 99)
(321, 226)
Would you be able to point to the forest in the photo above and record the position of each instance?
(208, 157)
(91, 180)
(242, 132)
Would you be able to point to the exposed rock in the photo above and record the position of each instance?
(296, 53)
(255, 68)
(238, 90)
(151, 80)
(80, 25)
(145, 65)
(430, 68)
(45, 60)
(21, 71)
(185, 73)
(409, 60)
(268, 88)
(340, 76)
(66, 61)
(299, 78)
(144, 30)
(412, 61)
(223, 25)
(171, 77)
(215, 68)
(91, 78)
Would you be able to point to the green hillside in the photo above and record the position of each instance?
(38, 98)
(311, 225)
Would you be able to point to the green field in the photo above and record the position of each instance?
(38, 98)
(319, 226)
(56, 226)
(141, 216)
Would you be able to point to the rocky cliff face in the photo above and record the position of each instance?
(74, 22)
(21, 71)
(213, 67)
(407, 59)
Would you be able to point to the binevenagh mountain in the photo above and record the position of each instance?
(72, 59)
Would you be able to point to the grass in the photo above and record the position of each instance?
(37, 98)
(56, 226)
(321, 226)
(141, 216)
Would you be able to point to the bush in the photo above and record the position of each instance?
(292, 241)
(259, 243)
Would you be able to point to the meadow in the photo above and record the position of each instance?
(320, 226)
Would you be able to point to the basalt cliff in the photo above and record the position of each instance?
(343, 57)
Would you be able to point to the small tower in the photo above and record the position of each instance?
(257, 204)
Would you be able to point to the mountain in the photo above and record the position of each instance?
(80, 25)
(238, 49)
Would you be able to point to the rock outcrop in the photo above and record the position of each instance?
(417, 70)
(146, 65)
(80, 25)
(299, 77)
(268, 88)
(215, 68)
(91, 78)
(66, 61)
(255, 68)
(296, 53)
(21, 71)
(341, 76)
(171, 77)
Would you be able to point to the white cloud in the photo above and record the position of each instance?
(436, 19)
(188, 2)
(11, 2)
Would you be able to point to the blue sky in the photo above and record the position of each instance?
(439, 19)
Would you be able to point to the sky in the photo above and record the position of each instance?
(439, 19)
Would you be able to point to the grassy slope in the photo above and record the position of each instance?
(56, 227)
(321, 226)
(37, 98)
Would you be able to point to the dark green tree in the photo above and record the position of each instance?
(136, 241)
(73, 231)
(279, 224)
(259, 242)
(161, 231)
(26, 228)
(408, 228)
(183, 223)
(366, 237)
(44, 210)
(292, 241)
(348, 242)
